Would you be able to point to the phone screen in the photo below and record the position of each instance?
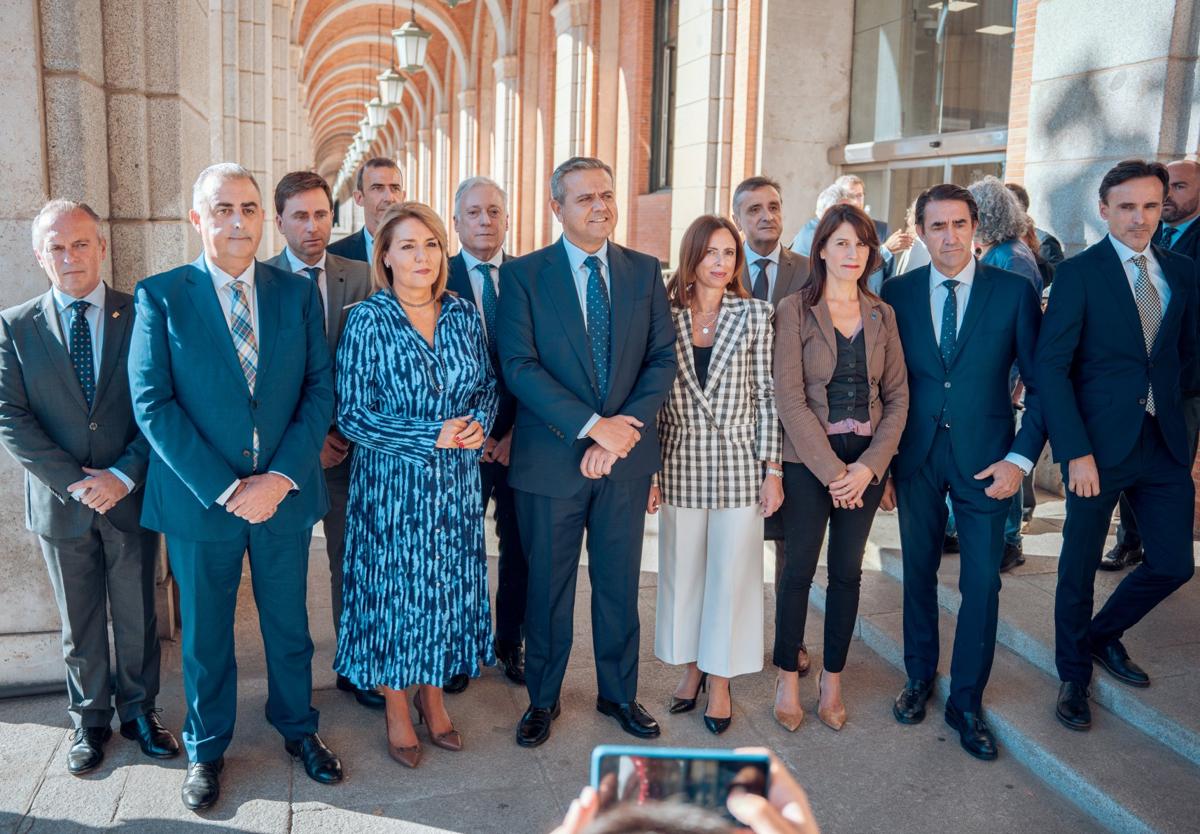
(702, 777)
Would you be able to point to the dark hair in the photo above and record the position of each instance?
(818, 272)
(558, 191)
(1022, 194)
(297, 182)
(753, 184)
(691, 252)
(374, 162)
(945, 192)
(658, 818)
(1133, 169)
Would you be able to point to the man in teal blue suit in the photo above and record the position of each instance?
(231, 384)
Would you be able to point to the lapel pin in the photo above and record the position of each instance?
(116, 314)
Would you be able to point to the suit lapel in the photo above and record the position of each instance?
(687, 364)
(1119, 290)
(622, 290)
(731, 321)
(115, 320)
(922, 311)
(335, 289)
(977, 303)
(871, 323)
(266, 292)
(559, 283)
(789, 277)
(204, 299)
(54, 341)
(825, 324)
(1174, 307)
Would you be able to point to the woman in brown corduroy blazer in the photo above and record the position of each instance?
(842, 393)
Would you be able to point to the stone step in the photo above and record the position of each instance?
(1165, 644)
(1123, 779)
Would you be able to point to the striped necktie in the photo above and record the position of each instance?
(245, 343)
(1168, 236)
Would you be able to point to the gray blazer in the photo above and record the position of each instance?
(45, 422)
(790, 277)
(347, 282)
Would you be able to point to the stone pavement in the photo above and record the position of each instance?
(874, 775)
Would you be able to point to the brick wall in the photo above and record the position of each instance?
(1022, 78)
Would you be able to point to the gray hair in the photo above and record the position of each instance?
(848, 181)
(216, 174)
(1001, 217)
(55, 209)
(475, 182)
(831, 196)
(576, 163)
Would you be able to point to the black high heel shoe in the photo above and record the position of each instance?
(716, 726)
(679, 705)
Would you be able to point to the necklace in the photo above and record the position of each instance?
(416, 306)
(705, 320)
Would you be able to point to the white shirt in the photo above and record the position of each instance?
(962, 294)
(93, 316)
(472, 264)
(772, 268)
(369, 239)
(580, 273)
(1152, 267)
(299, 267)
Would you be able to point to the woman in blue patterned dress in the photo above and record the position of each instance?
(416, 394)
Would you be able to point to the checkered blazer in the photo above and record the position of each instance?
(715, 439)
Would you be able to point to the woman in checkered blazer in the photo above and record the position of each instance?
(721, 476)
(843, 401)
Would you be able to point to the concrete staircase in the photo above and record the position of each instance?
(1138, 768)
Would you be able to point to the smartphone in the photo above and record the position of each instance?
(695, 776)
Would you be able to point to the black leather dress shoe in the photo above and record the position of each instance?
(973, 732)
(320, 763)
(1073, 709)
(87, 751)
(367, 697)
(1116, 662)
(456, 684)
(632, 717)
(909, 707)
(202, 784)
(949, 544)
(534, 728)
(1121, 557)
(512, 661)
(154, 739)
(1013, 556)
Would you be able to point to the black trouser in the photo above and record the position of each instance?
(1127, 530)
(513, 570)
(337, 481)
(807, 509)
(1160, 490)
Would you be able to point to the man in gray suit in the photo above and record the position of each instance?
(304, 216)
(773, 271)
(66, 416)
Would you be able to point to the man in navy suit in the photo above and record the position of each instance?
(1117, 349)
(231, 385)
(962, 325)
(587, 346)
(379, 186)
(481, 221)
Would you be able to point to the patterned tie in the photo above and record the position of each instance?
(598, 322)
(314, 272)
(81, 351)
(245, 343)
(1168, 235)
(490, 303)
(1149, 307)
(761, 283)
(949, 339)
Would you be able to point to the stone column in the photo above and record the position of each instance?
(505, 131)
(425, 145)
(468, 134)
(572, 78)
(443, 186)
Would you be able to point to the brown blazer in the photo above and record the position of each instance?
(805, 357)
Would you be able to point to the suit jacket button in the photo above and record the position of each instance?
(93, 426)
(947, 383)
(1142, 401)
(245, 453)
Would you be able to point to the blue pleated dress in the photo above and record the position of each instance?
(415, 598)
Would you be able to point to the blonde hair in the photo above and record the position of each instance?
(381, 274)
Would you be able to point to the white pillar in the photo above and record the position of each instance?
(468, 134)
(504, 134)
(572, 78)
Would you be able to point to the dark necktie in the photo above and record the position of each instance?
(490, 303)
(1168, 235)
(1149, 307)
(314, 272)
(81, 350)
(598, 314)
(949, 340)
(762, 284)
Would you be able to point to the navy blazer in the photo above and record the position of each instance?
(460, 284)
(192, 403)
(1093, 371)
(547, 364)
(1000, 327)
(352, 246)
(1186, 244)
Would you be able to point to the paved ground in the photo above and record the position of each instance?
(874, 775)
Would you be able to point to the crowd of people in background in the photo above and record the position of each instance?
(394, 391)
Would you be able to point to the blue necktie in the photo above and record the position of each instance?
(949, 339)
(490, 303)
(314, 272)
(1168, 234)
(761, 281)
(598, 322)
(81, 351)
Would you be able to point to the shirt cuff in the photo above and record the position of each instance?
(295, 487)
(224, 496)
(1020, 461)
(120, 476)
(886, 253)
(587, 427)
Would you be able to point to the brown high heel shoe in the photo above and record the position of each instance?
(449, 740)
(790, 721)
(835, 717)
(408, 756)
